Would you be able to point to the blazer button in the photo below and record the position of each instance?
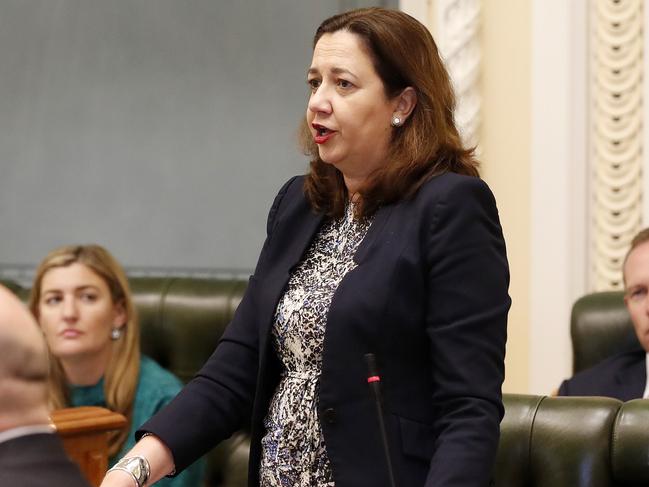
(329, 415)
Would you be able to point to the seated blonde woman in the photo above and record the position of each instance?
(81, 299)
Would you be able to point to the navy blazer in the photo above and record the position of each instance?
(622, 376)
(38, 460)
(428, 297)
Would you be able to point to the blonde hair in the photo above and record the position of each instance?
(121, 375)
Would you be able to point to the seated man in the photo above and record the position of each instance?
(30, 453)
(623, 376)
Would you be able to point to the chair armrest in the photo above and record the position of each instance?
(85, 432)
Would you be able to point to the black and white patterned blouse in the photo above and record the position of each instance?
(293, 450)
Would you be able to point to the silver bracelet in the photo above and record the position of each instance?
(136, 467)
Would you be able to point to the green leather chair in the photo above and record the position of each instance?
(573, 442)
(630, 444)
(181, 322)
(600, 326)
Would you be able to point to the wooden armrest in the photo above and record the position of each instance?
(85, 432)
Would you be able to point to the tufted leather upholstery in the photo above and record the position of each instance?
(600, 326)
(181, 321)
(630, 444)
(573, 442)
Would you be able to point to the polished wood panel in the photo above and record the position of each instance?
(85, 431)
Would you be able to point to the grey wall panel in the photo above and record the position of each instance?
(159, 128)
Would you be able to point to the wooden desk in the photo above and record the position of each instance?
(85, 431)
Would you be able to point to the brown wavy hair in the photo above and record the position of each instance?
(121, 375)
(428, 143)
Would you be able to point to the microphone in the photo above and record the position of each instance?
(374, 381)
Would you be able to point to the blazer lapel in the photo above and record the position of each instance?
(292, 236)
(296, 236)
(381, 218)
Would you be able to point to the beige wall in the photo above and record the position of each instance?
(505, 152)
(505, 146)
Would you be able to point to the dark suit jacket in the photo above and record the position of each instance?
(428, 297)
(622, 376)
(38, 460)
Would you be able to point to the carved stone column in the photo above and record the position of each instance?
(457, 35)
(616, 145)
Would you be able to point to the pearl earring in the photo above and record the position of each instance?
(116, 333)
(396, 121)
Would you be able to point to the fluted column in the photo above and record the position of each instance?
(616, 129)
(457, 29)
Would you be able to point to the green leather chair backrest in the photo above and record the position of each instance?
(182, 319)
(600, 326)
(514, 448)
(181, 322)
(630, 444)
(556, 441)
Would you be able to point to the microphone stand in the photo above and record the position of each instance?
(374, 381)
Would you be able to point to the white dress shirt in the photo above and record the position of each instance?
(646, 387)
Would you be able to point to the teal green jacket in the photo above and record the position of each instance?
(156, 387)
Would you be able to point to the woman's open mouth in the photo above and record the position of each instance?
(323, 134)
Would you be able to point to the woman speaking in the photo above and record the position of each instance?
(384, 265)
